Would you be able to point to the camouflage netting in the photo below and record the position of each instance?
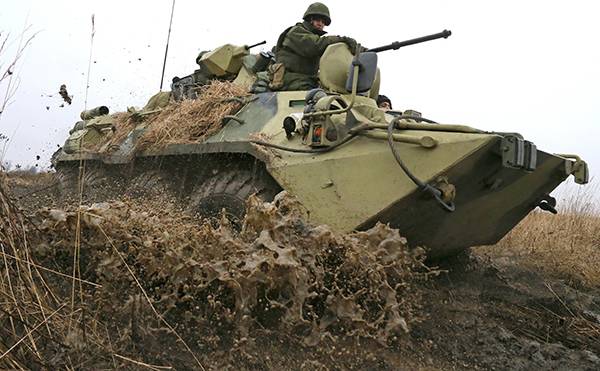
(124, 123)
(188, 121)
(191, 121)
(145, 278)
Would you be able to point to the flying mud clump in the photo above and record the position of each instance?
(64, 94)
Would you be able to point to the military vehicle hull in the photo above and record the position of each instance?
(353, 186)
(490, 200)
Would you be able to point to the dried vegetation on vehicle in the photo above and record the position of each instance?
(190, 120)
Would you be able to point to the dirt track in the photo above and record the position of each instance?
(484, 311)
(487, 314)
(494, 314)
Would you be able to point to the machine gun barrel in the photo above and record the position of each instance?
(398, 44)
(257, 44)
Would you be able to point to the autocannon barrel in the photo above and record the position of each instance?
(398, 44)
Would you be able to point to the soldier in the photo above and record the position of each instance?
(384, 102)
(300, 47)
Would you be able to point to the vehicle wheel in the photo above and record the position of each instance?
(67, 177)
(151, 183)
(66, 180)
(228, 190)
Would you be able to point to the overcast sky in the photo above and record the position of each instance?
(526, 66)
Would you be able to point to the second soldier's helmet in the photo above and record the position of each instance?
(319, 10)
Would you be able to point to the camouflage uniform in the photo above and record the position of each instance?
(300, 47)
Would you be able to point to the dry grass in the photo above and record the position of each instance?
(26, 308)
(124, 123)
(38, 330)
(9, 76)
(191, 121)
(565, 245)
(28, 178)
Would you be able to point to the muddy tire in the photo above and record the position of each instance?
(97, 183)
(66, 180)
(151, 183)
(228, 190)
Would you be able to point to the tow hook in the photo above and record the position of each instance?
(548, 203)
(444, 192)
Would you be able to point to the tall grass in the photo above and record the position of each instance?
(566, 245)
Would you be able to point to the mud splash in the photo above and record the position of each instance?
(278, 271)
(215, 288)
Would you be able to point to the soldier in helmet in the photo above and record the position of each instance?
(300, 47)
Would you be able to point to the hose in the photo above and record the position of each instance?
(436, 193)
(312, 150)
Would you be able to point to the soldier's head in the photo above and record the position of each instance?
(384, 102)
(318, 15)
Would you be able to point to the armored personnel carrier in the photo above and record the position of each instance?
(349, 163)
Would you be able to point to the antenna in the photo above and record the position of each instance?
(87, 84)
(167, 47)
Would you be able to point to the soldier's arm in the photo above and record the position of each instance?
(307, 44)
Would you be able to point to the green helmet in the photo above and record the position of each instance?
(317, 9)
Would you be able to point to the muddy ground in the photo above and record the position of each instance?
(488, 314)
(484, 310)
(483, 314)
